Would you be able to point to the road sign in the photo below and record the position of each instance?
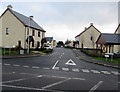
(70, 62)
(106, 55)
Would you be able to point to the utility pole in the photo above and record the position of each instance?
(28, 49)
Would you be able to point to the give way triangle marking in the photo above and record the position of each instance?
(70, 62)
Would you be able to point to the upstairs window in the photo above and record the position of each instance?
(33, 32)
(7, 31)
(38, 34)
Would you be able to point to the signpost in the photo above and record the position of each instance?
(107, 55)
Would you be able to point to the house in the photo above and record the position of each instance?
(106, 42)
(16, 28)
(109, 43)
(88, 38)
(50, 41)
(117, 47)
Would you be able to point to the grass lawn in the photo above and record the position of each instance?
(116, 60)
(11, 52)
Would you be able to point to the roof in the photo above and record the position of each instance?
(49, 38)
(87, 29)
(109, 38)
(117, 29)
(25, 20)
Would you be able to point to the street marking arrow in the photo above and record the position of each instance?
(70, 62)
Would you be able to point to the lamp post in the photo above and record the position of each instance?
(28, 48)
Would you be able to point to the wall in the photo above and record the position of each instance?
(85, 38)
(16, 30)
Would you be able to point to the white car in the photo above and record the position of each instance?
(48, 47)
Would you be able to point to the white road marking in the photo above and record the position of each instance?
(56, 68)
(75, 70)
(55, 64)
(115, 72)
(7, 64)
(13, 72)
(70, 62)
(16, 65)
(46, 68)
(96, 86)
(60, 57)
(39, 76)
(63, 53)
(35, 67)
(21, 87)
(14, 80)
(85, 70)
(65, 69)
(95, 71)
(78, 78)
(105, 72)
(0, 63)
(77, 57)
(51, 85)
(26, 66)
(29, 74)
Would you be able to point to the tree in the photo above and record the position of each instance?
(68, 42)
(60, 43)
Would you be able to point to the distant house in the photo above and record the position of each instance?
(50, 41)
(88, 38)
(109, 43)
(17, 28)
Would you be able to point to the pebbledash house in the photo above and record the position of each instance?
(15, 29)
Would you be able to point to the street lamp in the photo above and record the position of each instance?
(28, 48)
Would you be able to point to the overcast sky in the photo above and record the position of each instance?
(65, 20)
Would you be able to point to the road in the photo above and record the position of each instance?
(60, 71)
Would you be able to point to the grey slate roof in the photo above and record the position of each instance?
(25, 20)
(49, 38)
(111, 38)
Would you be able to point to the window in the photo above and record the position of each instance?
(42, 34)
(33, 32)
(28, 31)
(38, 34)
(91, 38)
(7, 31)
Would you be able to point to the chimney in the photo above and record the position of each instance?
(10, 7)
(91, 24)
(85, 28)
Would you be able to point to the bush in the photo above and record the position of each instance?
(91, 53)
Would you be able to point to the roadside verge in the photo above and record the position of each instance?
(86, 58)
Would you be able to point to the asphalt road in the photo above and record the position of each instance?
(60, 71)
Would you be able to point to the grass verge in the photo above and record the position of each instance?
(116, 60)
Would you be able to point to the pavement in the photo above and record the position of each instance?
(87, 58)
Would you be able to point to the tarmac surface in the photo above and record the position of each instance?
(63, 71)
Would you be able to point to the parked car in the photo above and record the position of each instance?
(117, 54)
(48, 47)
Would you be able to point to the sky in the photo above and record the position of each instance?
(65, 20)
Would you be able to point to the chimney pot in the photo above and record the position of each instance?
(85, 28)
(91, 24)
(9, 6)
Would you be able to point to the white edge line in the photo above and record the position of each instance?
(96, 86)
(55, 64)
(51, 85)
(21, 87)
